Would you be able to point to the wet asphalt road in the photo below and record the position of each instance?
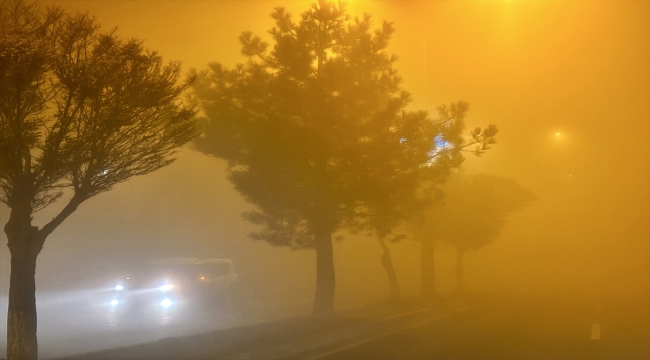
(73, 322)
(496, 328)
(508, 329)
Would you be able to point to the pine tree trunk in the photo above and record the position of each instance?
(387, 262)
(459, 269)
(427, 270)
(325, 278)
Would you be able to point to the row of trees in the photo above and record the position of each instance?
(314, 126)
(317, 135)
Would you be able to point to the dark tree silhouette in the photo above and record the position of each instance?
(313, 127)
(395, 205)
(475, 211)
(80, 111)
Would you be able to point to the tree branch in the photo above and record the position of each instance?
(72, 205)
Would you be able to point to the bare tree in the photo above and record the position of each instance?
(80, 111)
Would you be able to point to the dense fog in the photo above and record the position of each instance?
(567, 84)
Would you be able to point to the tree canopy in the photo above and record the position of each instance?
(81, 109)
(474, 211)
(315, 128)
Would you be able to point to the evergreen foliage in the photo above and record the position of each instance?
(315, 128)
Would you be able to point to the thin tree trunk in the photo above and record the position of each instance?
(387, 262)
(325, 278)
(427, 270)
(459, 269)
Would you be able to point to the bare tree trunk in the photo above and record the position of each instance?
(387, 262)
(427, 270)
(25, 243)
(325, 278)
(21, 316)
(459, 269)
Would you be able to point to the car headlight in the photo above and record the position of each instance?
(113, 302)
(166, 303)
(166, 287)
(119, 287)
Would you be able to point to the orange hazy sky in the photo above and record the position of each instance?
(533, 68)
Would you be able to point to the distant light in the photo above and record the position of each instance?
(440, 141)
(166, 303)
(119, 287)
(166, 287)
(113, 302)
(202, 278)
(558, 134)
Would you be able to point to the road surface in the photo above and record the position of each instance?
(522, 329)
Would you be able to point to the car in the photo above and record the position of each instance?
(172, 284)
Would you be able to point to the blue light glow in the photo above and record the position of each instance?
(440, 141)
